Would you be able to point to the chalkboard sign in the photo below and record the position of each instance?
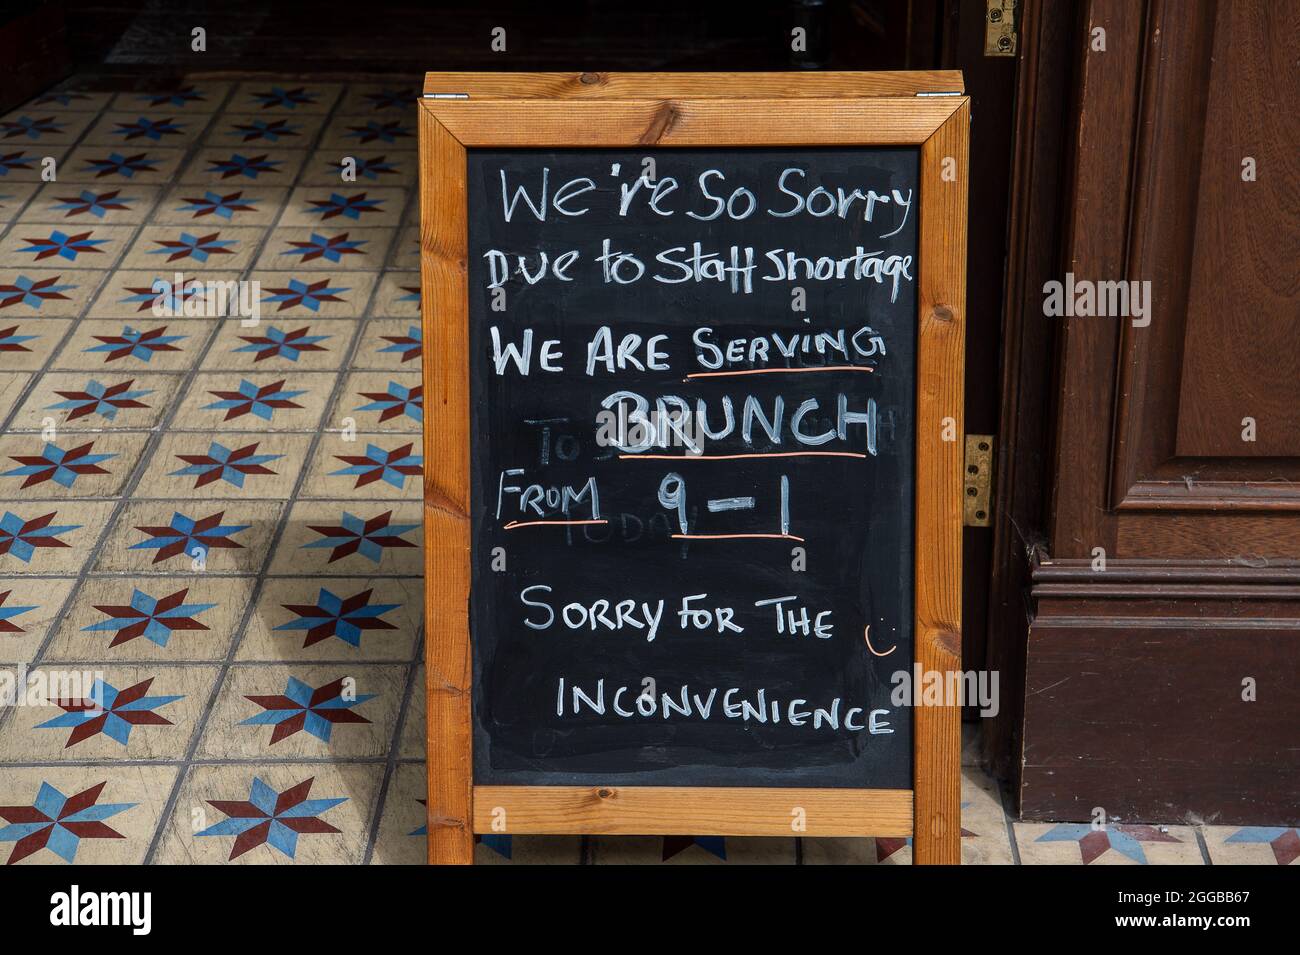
(697, 465)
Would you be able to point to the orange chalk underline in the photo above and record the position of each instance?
(718, 537)
(513, 524)
(777, 371)
(732, 457)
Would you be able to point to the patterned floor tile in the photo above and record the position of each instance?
(186, 97)
(71, 466)
(985, 839)
(342, 205)
(280, 345)
(1070, 843)
(154, 619)
(688, 850)
(121, 164)
(343, 537)
(398, 295)
(254, 401)
(30, 164)
(28, 606)
(314, 294)
(226, 466)
(402, 838)
(148, 126)
(49, 537)
(82, 205)
(1253, 845)
(136, 295)
(326, 248)
(273, 814)
(69, 101)
(13, 196)
(394, 97)
(272, 711)
(369, 620)
(26, 345)
(391, 344)
(370, 132)
(219, 206)
(41, 806)
(134, 344)
(42, 246)
(96, 401)
(284, 97)
(99, 712)
(42, 127)
(235, 166)
(254, 130)
(50, 291)
(183, 537)
(195, 248)
(380, 401)
(380, 466)
(368, 167)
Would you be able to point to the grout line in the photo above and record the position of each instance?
(395, 746)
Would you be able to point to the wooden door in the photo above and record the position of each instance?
(1163, 623)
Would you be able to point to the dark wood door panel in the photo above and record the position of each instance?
(1242, 344)
(1208, 385)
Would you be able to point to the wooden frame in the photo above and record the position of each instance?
(461, 111)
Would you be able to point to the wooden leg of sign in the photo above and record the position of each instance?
(444, 307)
(939, 450)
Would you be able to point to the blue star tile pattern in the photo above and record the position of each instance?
(282, 98)
(62, 466)
(31, 292)
(10, 340)
(100, 400)
(154, 618)
(330, 248)
(229, 465)
(167, 295)
(310, 295)
(58, 822)
(17, 160)
(409, 346)
(153, 129)
(367, 537)
(315, 710)
(249, 167)
(179, 97)
(134, 343)
(62, 245)
(190, 537)
(278, 343)
(1093, 841)
(28, 127)
(110, 711)
(334, 616)
(349, 207)
(272, 818)
(261, 401)
(391, 467)
(216, 204)
(397, 400)
(1283, 840)
(8, 612)
(21, 536)
(115, 164)
(97, 204)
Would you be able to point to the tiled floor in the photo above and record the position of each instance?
(219, 524)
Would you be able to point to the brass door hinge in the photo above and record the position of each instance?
(977, 496)
(1000, 18)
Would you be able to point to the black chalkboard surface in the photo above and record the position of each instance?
(692, 502)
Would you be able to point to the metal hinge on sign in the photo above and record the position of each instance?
(977, 495)
(1000, 27)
